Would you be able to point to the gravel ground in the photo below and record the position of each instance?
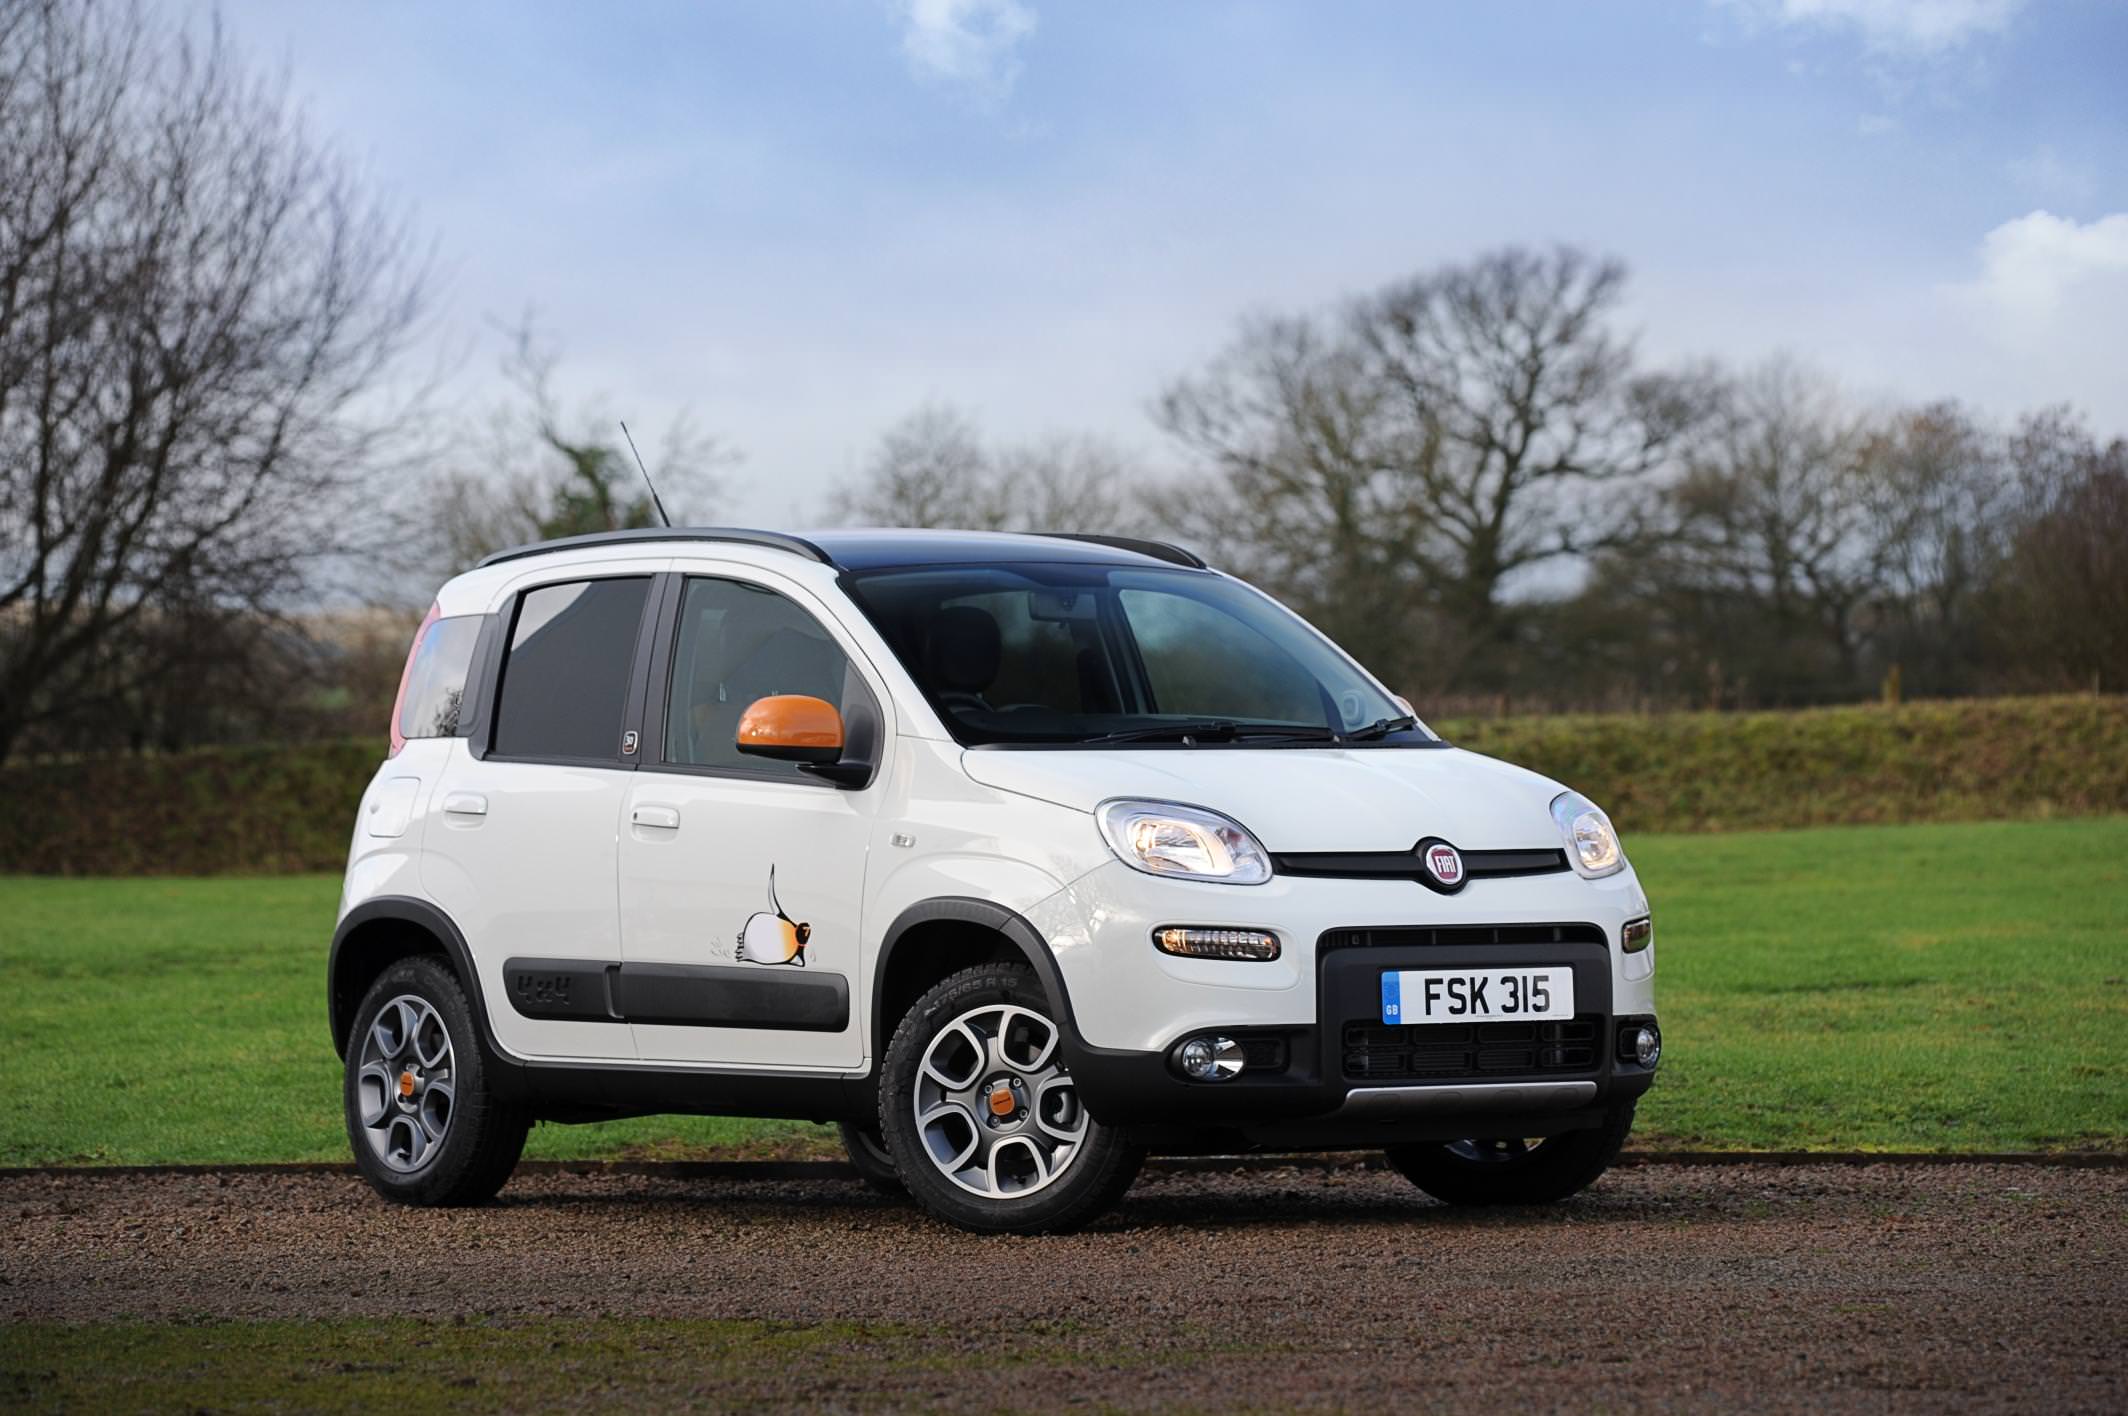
(1823, 1287)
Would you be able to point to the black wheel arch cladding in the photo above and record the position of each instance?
(378, 932)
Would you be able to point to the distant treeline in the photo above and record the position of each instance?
(1470, 480)
(1468, 477)
(274, 809)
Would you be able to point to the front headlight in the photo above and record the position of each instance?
(1591, 842)
(1183, 842)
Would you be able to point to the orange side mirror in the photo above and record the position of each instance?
(791, 727)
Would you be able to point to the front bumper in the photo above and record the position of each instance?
(1323, 1071)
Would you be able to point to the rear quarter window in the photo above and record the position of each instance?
(435, 685)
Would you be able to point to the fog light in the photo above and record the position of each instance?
(1647, 1045)
(1210, 1059)
(1254, 945)
(1637, 935)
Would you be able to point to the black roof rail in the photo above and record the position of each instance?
(772, 540)
(1158, 550)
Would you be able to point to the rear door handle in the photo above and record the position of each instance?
(466, 804)
(661, 818)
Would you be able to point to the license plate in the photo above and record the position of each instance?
(1476, 995)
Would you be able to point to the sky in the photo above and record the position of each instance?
(800, 221)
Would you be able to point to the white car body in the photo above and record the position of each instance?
(595, 904)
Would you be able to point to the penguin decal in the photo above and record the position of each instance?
(773, 937)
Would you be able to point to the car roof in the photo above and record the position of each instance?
(882, 549)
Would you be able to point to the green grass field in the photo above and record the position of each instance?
(611, 1363)
(1942, 987)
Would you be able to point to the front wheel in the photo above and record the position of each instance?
(983, 1118)
(424, 1127)
(1515, 1172)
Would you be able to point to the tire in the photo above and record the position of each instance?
(1044, 1167)
(1515, 1172)
(873, 1163)
(423, 1125)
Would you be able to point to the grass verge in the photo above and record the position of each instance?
(1946, 987)
(420, 1365)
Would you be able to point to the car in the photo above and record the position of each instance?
(1019, 857)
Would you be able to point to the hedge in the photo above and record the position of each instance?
(291, 808)
(216, 811)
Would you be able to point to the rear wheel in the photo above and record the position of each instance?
(1515, 1172)
(424, 1127)
(983, 1118)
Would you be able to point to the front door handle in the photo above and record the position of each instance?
(466, 804)
(660, 818)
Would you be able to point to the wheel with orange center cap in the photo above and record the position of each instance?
(983, 1117)
(420, 1119)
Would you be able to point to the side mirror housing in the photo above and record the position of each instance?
(791, 727)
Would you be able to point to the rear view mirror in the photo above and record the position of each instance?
(1060, 606)
(791, 727)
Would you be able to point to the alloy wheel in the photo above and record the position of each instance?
(996, 1110)
(405, 1086)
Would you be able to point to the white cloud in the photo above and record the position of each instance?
(1876, 125)
(2044, 271)
(2046, 319)
(2046, 176)
(1924, 27)
(973, 44)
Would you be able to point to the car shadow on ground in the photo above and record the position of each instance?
(1241, 1203)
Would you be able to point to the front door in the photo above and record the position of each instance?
(742, 879)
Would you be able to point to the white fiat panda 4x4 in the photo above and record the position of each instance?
(1018, 856)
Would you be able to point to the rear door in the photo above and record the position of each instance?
(520, 849)
(741, 878)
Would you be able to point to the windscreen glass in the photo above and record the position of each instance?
(1095, 655)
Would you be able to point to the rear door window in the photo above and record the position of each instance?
(565, 678)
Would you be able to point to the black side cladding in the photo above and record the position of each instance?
(682, 995)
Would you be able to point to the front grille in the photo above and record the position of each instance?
(1405, 864)
(1442, 1051)
(1449, 936)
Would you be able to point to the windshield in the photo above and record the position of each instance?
(1084, 655)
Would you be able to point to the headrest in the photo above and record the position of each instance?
(961, 649)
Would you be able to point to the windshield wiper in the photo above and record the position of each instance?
(1221, 730)
(1297, 733)
(1213, 727)
(1382, 727)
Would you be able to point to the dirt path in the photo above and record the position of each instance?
(1848, 1288)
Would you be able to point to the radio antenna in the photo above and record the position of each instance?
(655, 499)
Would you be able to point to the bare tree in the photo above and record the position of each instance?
(1298, 483)
(1395, 468)
(537, 468)
(198, 305)
(2059, 604)
(933, 469)
(1943, 500)
(1067, 482)
(1777, 548)
(929, 469)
